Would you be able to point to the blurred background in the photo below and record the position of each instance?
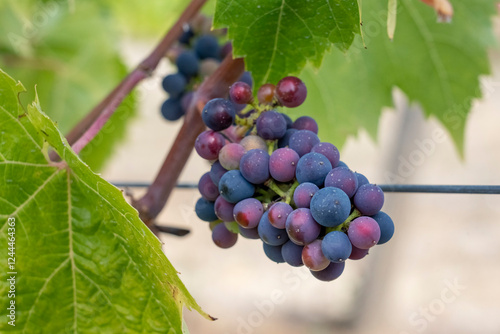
(438, 274)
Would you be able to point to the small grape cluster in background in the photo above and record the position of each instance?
(197, 55)
(273, 179)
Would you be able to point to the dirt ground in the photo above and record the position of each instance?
(439, 274)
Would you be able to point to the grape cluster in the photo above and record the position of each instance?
(273, 179)
(197, 55)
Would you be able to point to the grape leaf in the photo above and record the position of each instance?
(102, 147)
(73, 57)
(85, 262)
(437, 65)
(278, 37)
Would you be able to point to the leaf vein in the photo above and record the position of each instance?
(22, 126)
(100, 291)
(20, 207)
(268, 72)
(9, 162)
(71, 254)
(44, 286)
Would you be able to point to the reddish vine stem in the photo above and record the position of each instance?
(119, 94)
(217, 85)
(100, 114)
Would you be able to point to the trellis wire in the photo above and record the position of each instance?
(395, 188)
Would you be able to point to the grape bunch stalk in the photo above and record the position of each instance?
(272, 179)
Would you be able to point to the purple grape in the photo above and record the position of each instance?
(222, 237)
(291, 92)
(289, 122)
(216, 172)
(224, 209)
(188, 64)
(313, 167)
(218, 114)
(342, 164)
(174, 84)
(330, 206)
(249, 233)
(306, 123)
(253, 142)
(265, 94)
(246, 77)
(271, 125)
(369, 199)
(278, 213)
(357, 253)
(313, 257)
(362, 180)
(273, 253)
(171, 109)
(207, 46)
(303, 141)
(364, 232)
(254, 166)
(329, 151)
(282, 164)
(234, 188)
(386, 227)
(303, 194)
(248, 212)
(230, 156)
(301, 227)
(208, 144)
(332, 272)
(342, 178)
(240, 93)
(285, 140)
(336, 246)
(270, 234)
(205, 210)
(292, 254)
(207, 187)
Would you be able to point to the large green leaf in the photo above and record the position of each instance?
(73, 57)
(437, 65)
(85, 262)
(278, 37)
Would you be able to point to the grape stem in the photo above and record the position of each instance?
(290, 192)
(274, 187)
(270, 146)
(285, 195)
(90, 126)
(345, 225)
(217, 85)
(265, 197)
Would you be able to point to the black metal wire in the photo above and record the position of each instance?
(440, 189)
(146, 185)
(395, 188)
